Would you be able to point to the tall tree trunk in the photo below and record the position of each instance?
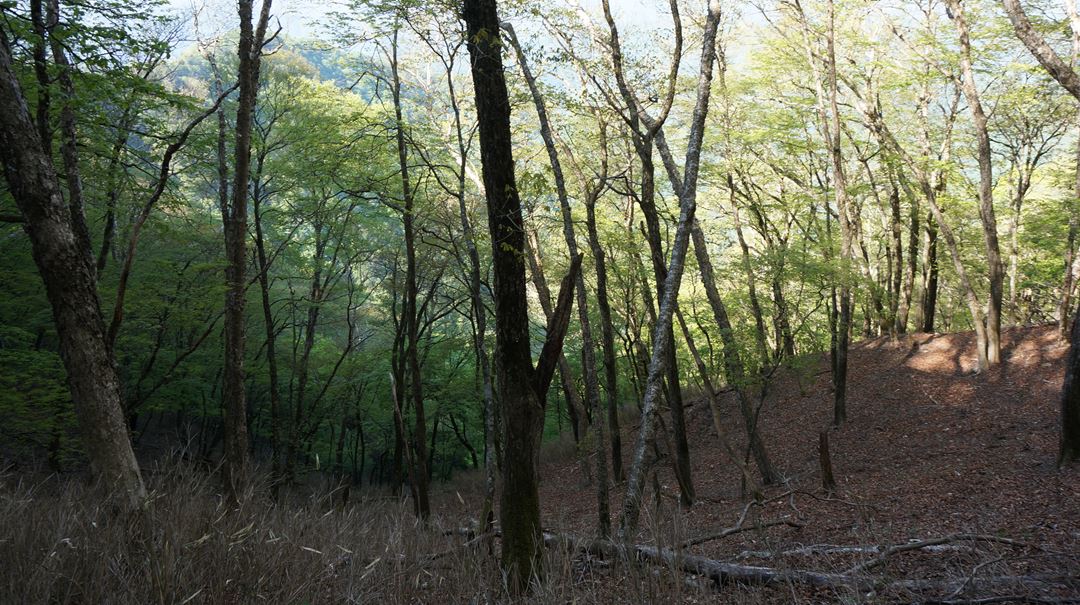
(1065, 302)
(523, 409)
(829, 115)
(249, 51)
(271, 341)
(992, 337)
(751, 283)
(415, 382)
(479, 311)
(588, 351)
(645, 131)
(65, 263)
(611, 380)
(904, 310)
(687, 206)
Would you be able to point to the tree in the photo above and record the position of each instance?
(234, 217)
(66, 265)
(1069, 450)
(519, 513)
(661, 342)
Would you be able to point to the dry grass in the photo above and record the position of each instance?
(58, 545)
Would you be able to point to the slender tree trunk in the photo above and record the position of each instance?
(607, 339)
(65, 263)
(930, 275)
(896, 282)
(415, 382)
(751, 284)
(588, 351)
(1065, 302)
(831, 129)
(714, 404)
(734, 370)
(271, 344)
(479, 311)
(907, 297)
(645, 131)
(687, 206)
(249, 50)
(992, 338)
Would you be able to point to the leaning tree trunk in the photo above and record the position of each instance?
(67, 269)
(579, 420)
(663, 330)
(995, 274)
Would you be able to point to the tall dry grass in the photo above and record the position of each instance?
(59, 544)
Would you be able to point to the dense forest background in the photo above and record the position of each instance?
(317, 207)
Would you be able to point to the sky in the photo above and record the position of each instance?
(300, 18)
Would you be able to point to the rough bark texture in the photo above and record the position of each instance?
(235, 438)
(588, 351)
(523, 414)
(66, 265)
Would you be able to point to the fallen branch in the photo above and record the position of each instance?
(835, 549)
(721, 572)
(899, 548)
(736, 530)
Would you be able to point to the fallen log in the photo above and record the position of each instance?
(722, 572)
(835, 549)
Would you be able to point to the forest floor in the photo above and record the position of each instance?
(931, 449)
(931, 452)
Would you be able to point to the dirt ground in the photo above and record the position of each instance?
(930, 449)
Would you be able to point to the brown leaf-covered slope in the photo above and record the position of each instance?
(930, 449)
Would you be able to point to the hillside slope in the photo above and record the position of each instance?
(930, 449)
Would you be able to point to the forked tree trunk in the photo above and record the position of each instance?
(579, 420)
(687, 206)
(646, 130)
(523, 409)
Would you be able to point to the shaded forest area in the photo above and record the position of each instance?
(468, 301)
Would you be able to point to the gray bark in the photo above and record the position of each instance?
(687, 206)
